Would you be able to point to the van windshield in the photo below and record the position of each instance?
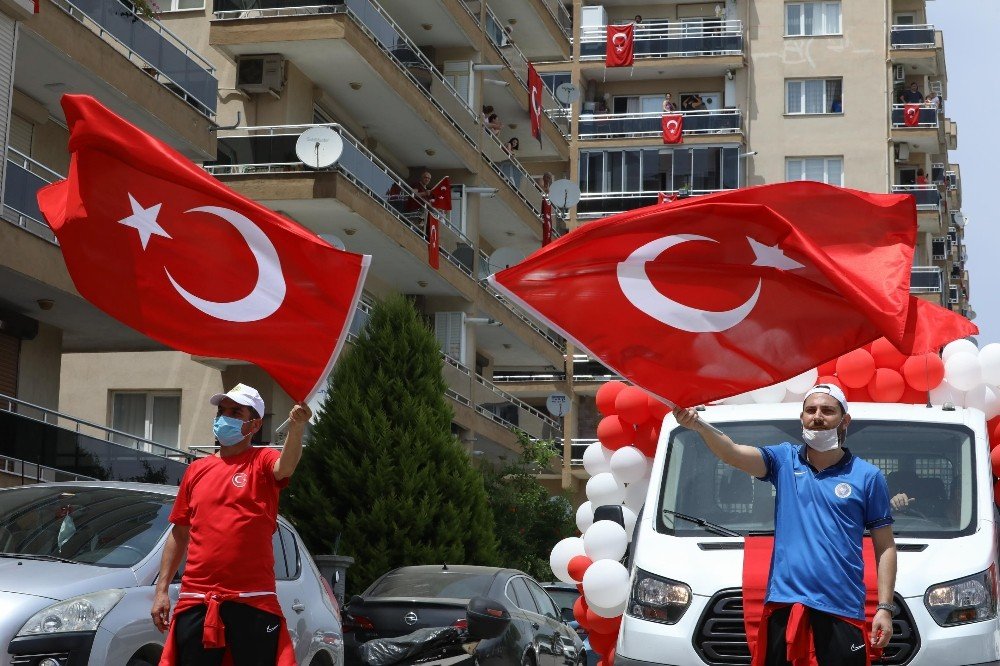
(931, 462)
(107, 527)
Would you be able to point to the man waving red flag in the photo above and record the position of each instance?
(163, 247)
(717, 295)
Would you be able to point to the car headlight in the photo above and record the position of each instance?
(969, 599)
(81, 613)
(658, 599)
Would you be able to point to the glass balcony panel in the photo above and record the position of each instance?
(23, 178)
(928, 117)
(912, 36)
(659, 39)
(925, 280)
(927, 196)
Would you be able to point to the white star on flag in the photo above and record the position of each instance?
(773, 256)
(144, 221)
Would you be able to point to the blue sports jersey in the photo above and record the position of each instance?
(819, 520)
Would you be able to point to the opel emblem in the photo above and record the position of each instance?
(410, 618)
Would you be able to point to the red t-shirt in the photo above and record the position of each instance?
(231, 505)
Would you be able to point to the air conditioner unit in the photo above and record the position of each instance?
(261, 73)
(903, 152)
(898, 74)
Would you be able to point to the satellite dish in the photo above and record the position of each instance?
(558, 404)
(319, 147)
(567, 93)
(564, 193)
(505, 257)
(334, 241)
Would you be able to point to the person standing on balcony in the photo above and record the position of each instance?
(223, 519)
(422, 189)
(912, 95)
(493, 123)
(933, 100)
(921, 178)
(668, 104)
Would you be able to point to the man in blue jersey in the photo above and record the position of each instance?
(825, 500)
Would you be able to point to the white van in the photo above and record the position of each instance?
(685, 606)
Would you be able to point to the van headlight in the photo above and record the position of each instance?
(658, 599)
(81, 613)
(969, 599)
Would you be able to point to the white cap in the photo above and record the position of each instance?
(829, 389)
(243, 395)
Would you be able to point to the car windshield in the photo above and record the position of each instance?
(107, 527)
(429, 584)
(564, 598)
(930, 462)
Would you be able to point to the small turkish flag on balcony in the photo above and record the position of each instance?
(717, 295)
(621, 46)
(157, 243)
(535, 102)
(433, 240)
(911, 115)
(673, 128)
(441, 194)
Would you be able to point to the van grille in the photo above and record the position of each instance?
(721, 638)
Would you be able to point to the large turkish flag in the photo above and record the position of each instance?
(163, 247)
(620, 49)
(717, 295)
(535, 102)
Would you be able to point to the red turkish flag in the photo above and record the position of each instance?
(911, 114)
(721, 294)
(441, 194)
(663, 197)
(621, 46)
(535, 102)
(546, 221)
(160, 245)
(673, 128)
(433, 241)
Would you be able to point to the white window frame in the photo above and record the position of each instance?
(455, 70)
(802, 97)
(827, 160)
(150, 395)
(824, 29)
(170, 6)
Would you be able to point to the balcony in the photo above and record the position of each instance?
(544, 28)
(920, 48)
(929, 135)
(702, 49)
(928, 201)
(69, 447)
(929, 117)
(926, 280)
(710, 123)
(23, 177)
(595, 205)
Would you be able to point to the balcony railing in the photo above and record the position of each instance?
(23, 178)
(912, 37)
(625, 125)
(552, 338)
(601, 204)
(256, 150)
(671, 39)
(152, 47)
(504, 164)
(925, 280)
(928, 196)
(26, 472)
(929, 116)
(561, 15)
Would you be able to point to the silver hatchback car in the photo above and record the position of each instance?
(78, 562)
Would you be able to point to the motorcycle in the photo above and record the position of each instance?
(441, 646)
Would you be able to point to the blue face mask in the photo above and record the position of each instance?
(228, 431)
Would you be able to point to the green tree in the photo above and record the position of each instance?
(528, 520)
(382, 478)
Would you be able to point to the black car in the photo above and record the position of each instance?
(565, 595)
(412, 598)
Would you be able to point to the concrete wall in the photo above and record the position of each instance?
(39, 368)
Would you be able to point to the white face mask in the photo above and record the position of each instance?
(822, 440)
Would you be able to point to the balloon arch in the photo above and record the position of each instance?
(619, 464)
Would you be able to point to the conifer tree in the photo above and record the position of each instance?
(382, 478)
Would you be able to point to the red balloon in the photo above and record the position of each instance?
(657, 409)
(996, 492)
(886, 386)
(602, 643)
(603, 625)
(579, 588)
(578, 566)
(830, 379)
(828, 368)
(994, 433)
(912, 396)
(646, 437)
(610, 659)
(606, 396)
(580, 609)
(923, 371)
(615, 433)
(856, 368)
(632, 405)
(886, 355)
(995, 460)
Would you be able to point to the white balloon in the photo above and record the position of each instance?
(989, 360)
(769, 394)
(945, 392)
(962, 370)
(630, 519)
(609, 612)
(604, 489)
(605, 584)
(959, 346)
(584, 516)
(561, 554)
(738, 399)
(984, 398)
(795, 397)
(635, 494)
(605, 540)
(628, 464)
(596, 459)
(802, 383)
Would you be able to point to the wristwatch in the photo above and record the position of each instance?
(892, 608)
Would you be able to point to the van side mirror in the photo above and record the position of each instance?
(612, 512)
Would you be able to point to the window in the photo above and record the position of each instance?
(154, 416)
(553, 80)
(545, 604)
(517, 591)
(458, 73)
(703, 168)
(180, 5)
(286, 554)
(804, 19)
(814, 96)
(829, 170)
